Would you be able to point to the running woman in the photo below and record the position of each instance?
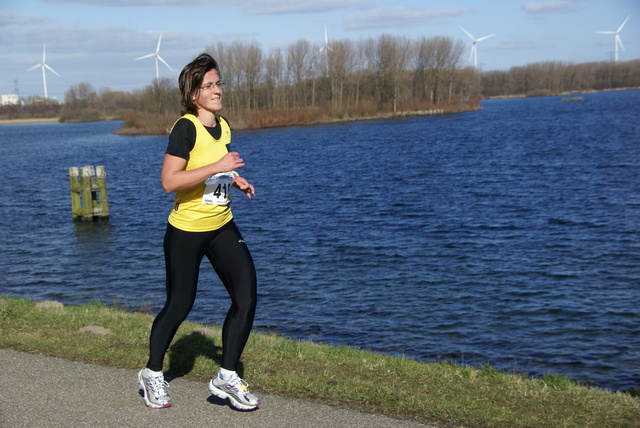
(199, 168)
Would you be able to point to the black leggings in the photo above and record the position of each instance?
(231, 260)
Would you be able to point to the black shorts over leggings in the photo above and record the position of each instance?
(232, 262)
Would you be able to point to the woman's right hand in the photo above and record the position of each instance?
(174, 177)
(229, 162)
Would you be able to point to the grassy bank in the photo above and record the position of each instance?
(440, 393)
(136, 122)
(140, 123)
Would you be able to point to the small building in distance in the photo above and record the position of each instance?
(9, 99)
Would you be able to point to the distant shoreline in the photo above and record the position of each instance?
(32, 120)
(585, 91)
(162, 129)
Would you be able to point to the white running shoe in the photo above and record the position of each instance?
(236, 390)
(155, 390)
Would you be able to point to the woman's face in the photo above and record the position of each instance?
(209, 96)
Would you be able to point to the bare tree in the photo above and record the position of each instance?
(249, 69)
(403, 49)
(275, 79)
(80, 103)
(446, 57)
(160, 96)
(80, 95)
(230, 74)
(384, 60)
(341, 65)
(298, 63)
(360, 67)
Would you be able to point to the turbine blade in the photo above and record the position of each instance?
(605, 32)
(485, 37)
(467, 33)
(34, 67)
(145, 56)
(159, 40)
(52, 70)
(619, 42)
(164, 62)
(625, 21)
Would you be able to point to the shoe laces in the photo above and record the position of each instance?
(159, 386)
(239, 383)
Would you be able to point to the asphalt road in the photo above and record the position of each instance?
(39, 391)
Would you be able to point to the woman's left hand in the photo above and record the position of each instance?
(243, 185)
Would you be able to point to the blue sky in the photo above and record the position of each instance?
(96, 41)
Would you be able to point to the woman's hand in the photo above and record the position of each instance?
(243, 185)
(175, 178)
(229, 162)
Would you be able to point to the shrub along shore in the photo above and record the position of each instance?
(135, 122)
(442, 393)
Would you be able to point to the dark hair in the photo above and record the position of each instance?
(191, 78)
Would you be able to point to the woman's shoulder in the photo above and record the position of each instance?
(186, 120)
(183, 132)
(223, 119)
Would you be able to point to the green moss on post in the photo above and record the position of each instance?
(88, 187)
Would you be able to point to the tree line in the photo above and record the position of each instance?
(555, 77)
(346, 79)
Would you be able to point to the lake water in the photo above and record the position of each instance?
(507, 236)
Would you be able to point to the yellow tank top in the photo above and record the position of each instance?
(189, 213)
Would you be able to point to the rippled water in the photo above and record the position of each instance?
(508, 236)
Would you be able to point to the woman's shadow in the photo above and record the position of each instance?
(184, 352)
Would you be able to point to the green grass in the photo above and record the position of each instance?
(441, 393)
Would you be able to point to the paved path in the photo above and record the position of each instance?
(39, 391)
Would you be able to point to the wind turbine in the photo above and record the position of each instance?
(474, 50)
(326, 47)
(44, 65)
(617, 41)
(158, 57)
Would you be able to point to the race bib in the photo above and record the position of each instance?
(218, 189)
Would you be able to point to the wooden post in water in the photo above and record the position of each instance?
(88, 193)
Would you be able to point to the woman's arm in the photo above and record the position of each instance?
(174, 177)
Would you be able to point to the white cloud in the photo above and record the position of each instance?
(550, 7)
(271, 7)
(136, 3)
(397, 17)
(10, 18)
(251, 7)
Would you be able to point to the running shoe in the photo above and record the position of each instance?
(236, 390)
(154, 389)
